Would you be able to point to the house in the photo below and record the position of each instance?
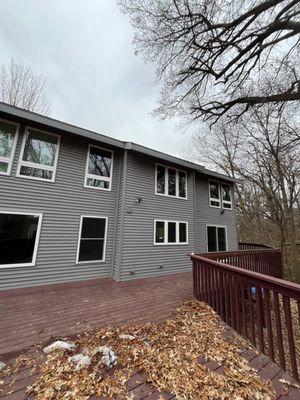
(78, 205)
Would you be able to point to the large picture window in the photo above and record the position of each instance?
(99, 168)
(216, 238)
(170, 182)
(39, 155)
(170, 232)
(92, 239)
(8, 141)
(19, 236)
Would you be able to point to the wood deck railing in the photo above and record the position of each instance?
(264, 309)
(253, 246)
(266, 261)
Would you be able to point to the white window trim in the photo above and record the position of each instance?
(35, 165)
(9, 160)
(98, 177)
(79, 239)
(211, 198)
(166, 243)
(226, 236)
(37, 239)
(226, 201)
(176, 182)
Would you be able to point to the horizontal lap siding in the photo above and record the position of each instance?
(140, 257)
(206, 215)
(62, 203)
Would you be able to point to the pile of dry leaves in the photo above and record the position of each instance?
(168, 352)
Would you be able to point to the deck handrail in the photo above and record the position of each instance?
(251, 245)
(262, 308)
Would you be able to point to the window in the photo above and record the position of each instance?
(170, 232)
(214, 194)
(99, 168)
(39, 155)
(8, 141)
(170, 182)
(226, 196)
(92, 239)
(216, 238)
(19, 236)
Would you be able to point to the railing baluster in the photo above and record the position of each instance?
(237, 305)
(269, 323)
(289, 327)
(251, 313)
(279, 330)
(259, 317)
(244, 314)
(226, 298)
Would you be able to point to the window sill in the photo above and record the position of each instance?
(171, 197)
(3, 266)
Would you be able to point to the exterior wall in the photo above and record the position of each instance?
(206, 215)
(140, 257)
(62, 203)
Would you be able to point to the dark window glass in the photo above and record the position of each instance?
(17, 238)
(3, 166)
(211, 238)
(171, 232)
(221, 239)
(160, 179)
(172, 182)
(226, 195)
(92, 239)
(7, 134)
(182, 184)
(214, 190)
(160, 232)
(40, 148)
(182, 232)
(97, 183)
(36, 172)
(99, 162)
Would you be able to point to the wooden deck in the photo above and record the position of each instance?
(32, 316)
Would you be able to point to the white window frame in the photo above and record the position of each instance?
(166, 194)
(37, 238)
(212, 198)
(226, 236)
(35, 165)
(166, 243)
(226, 201)
(98, 177)
(9, 160)
(79, 239)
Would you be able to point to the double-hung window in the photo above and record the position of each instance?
(216, 238)
(214, 194)
(99, 168)
(39, 155)
(170, 182)
(8, 141)
(92, 239)
(226, 196)
(19, 236)
(170, 232)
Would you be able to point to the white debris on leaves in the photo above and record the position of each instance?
(59, 345)
(108, 358)
(2, 365)
(81, 361)
(127, 337)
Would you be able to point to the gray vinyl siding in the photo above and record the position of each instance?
(206, 215)
(62, 203)
(140, 257)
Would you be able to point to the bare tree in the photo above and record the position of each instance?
(215, 55)
(263, 150)
(21, 88)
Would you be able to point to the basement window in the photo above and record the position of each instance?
(170, 232)
(39, 155)
(92, 239)
(8, 142)
(170, 182)
(99, 168)
(19, 237)
(216, 238)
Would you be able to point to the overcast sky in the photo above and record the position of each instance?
(94, 80)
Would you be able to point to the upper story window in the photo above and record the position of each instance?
(99, 168)
(170, 182)
(8, 142)
(220, 194)
(170, 232)
(39, 155)
(226, 196)
(214, 194)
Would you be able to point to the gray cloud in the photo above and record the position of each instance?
(94, 79)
